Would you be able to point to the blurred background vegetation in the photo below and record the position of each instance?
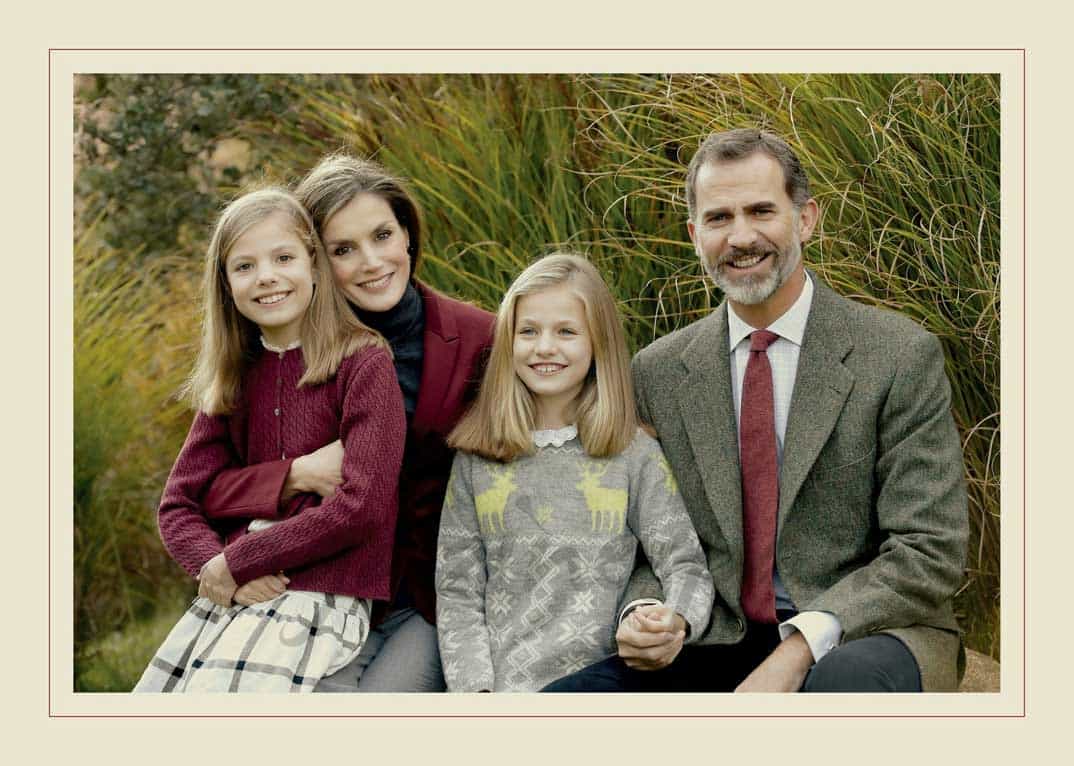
(507, 167)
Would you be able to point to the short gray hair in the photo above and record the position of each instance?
(730, 145)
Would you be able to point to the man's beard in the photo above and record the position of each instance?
(756, 288)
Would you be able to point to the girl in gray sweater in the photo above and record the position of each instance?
(553, 488)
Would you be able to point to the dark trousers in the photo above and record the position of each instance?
(877, 663)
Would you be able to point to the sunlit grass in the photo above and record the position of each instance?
(114, 661)
(130, 322)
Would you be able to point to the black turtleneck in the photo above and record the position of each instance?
(403, 326)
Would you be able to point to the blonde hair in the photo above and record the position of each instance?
(499, 424)
(230, 342)
(338, 178)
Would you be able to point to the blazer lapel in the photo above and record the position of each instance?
(441, 349)
(821, 388)
(708, 411)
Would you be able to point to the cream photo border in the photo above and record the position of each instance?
(64, 64)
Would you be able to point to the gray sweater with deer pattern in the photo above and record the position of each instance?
(534, 557)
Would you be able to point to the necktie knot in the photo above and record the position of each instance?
(760, 340)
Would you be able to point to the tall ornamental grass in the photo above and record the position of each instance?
(130, 328)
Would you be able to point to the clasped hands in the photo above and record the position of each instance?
(651, 637)
(216, 584)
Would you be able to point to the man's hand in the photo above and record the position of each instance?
(651, 637)
(215, 581)
(261, 589)
(784, 670)
(320, 472)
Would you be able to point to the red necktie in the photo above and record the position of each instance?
(760, 481)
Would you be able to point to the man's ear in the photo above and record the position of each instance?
(807, 219)
(691, 230)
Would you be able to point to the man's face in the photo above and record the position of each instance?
(746, 230)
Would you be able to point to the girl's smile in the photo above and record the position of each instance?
(547, 369)
(269, 300)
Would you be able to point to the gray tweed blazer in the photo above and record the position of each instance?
(872, 522)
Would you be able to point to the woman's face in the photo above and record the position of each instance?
(367, 249)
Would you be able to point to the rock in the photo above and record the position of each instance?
(982, 673)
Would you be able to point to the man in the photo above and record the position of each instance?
(813, 443)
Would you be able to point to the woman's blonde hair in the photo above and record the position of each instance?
(230, 342)
(499, 424)
(338, 178)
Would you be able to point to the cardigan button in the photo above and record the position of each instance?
(277, 411)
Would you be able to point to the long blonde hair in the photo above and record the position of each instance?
(499, 424)
(230, 342)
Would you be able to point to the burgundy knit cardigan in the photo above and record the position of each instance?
(455, 343)
(342, 545)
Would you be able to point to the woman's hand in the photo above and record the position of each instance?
(215, 581)
(320, 472)
(261, 589)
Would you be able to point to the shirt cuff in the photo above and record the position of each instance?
(821, 630)
(635, 604)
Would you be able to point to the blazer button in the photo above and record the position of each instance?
(739, 624)
(277, 411)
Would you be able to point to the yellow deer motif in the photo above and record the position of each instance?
(449, 495)
(605, 505)
(492, 501)
(670, 485)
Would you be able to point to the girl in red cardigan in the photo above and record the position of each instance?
(372, 230)
(284, 368)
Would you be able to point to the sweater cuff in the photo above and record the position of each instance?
(252, 492)
(634, 605)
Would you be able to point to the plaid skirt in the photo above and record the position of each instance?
(284, 645)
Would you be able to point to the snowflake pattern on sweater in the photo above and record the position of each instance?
(534, 558)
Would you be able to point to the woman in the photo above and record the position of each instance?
(371, 228)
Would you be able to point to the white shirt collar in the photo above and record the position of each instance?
(790, 326)
(555, 437)
(275, 349)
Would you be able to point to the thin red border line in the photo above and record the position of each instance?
(1024, 379)
(530, 50)
(650, 716)
(1025, 398)
(48, 302)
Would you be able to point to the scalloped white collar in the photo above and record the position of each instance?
(555, 437)
(276, 349)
